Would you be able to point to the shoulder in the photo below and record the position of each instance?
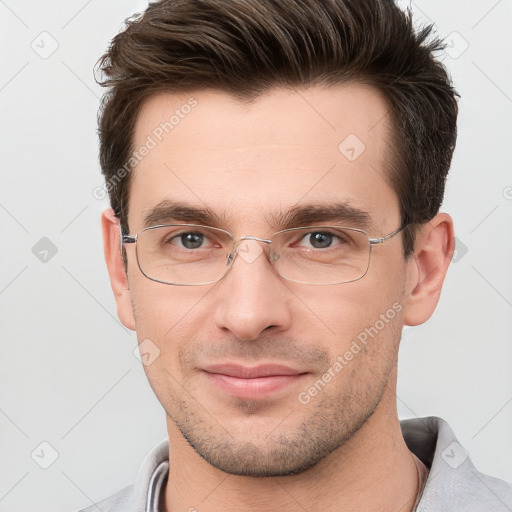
(453, 482)
(121, 500)
(150, 476)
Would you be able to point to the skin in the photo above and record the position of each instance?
(244, 161)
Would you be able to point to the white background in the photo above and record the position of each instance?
(68, 373)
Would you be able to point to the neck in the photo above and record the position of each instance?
(373, 471)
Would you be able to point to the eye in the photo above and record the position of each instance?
(186, 240)
(190, 240)
(321, 239)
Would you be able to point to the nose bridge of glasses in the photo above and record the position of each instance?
(249, 252)
(250, 237)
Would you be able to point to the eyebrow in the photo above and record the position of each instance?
(169, 211)
(309, 214)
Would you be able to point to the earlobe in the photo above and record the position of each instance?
(427, 268)
(115, 266)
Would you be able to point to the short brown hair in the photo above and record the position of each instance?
(246, 47)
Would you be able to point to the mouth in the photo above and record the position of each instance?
(252, 382)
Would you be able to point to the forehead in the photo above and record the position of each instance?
(241, 159)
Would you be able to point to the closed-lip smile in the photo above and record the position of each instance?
(252, 382)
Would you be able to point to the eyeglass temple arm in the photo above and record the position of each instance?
(381, 240)
(125, 238)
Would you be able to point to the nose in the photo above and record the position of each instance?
(252, 296)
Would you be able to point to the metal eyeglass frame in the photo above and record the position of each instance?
(125, 238)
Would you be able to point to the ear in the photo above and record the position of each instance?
(118, 278)
(427, 267)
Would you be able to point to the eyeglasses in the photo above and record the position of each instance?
(190, 254)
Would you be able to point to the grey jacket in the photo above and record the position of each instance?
(453, 484)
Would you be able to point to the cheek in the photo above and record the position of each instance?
(165, 319)
(352, 307)
(166, 315)
(366, 341)
(364, 319)
(159, 308)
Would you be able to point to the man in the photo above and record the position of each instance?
(275, 171)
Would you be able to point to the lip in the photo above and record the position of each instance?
(250, 372)
(252, 382)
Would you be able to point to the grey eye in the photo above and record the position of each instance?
(191, 240)
(320, 240)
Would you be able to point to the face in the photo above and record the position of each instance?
(261, 375)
